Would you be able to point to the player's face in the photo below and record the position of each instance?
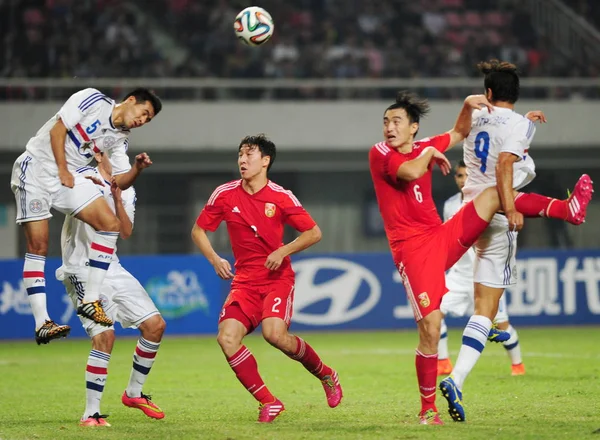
(460, 177)
(397, 128)
(137, 114)
(251, 162)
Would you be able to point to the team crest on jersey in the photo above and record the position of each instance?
(109, 141)
(35, 206)
(424, 299)
(269, 209)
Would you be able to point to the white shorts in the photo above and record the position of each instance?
(460, 301)
(496, 250)
(37, 190)
(123, 298)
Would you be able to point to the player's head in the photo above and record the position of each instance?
(139, 107)
(256, 155)
(501, 81)
(103, 163)
(460, 174)
(401, 119)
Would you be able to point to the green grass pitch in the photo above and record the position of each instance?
(42, 391)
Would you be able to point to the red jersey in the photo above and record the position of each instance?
(255, 225)
(407, 208)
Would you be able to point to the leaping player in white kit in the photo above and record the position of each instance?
(496, 153)
(459, 300)
(45, 176)
(124, 298)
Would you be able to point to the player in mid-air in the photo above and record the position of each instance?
(459, 300)
(496, 154)
(255, 210)
(45, 176)
(422, 246)
(124, 298)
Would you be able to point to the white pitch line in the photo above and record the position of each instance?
(406, 352)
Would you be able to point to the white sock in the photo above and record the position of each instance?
(443, 344)
(512, 346)
(34, 281)
(473, 342)
(100, 253)
(143, 359)
(96, 373)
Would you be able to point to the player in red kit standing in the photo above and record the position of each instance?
(422, 246)
(255, 210)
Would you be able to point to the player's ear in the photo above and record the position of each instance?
(414, 127)
(266, 161)
(489, 94)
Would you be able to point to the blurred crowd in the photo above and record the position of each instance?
(313, 39)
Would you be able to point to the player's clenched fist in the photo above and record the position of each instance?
(223, 269)
(442, 162)
(274, 260)
(66, 178)
(477, 102)
(142, 161)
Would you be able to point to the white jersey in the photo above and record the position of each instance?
(77, 236)
(462, 271)
(87, 115)
(503, 131)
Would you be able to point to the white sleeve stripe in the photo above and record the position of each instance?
(281, 189)
(382, 148)
(89, 98)
(220, 189)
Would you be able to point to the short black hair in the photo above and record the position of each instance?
(415, 107)
(461, 164)
(264, 144)
(502, 78)
(142, 95)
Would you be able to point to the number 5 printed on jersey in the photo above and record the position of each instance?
(92, 128)
(482, 149)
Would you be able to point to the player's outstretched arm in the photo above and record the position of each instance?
(462, 127)
(125, 180)
(222, 266)
(126, 224)
(304, 241)
(416, 168)
(536, 116)
(58, 136)
(504, 178)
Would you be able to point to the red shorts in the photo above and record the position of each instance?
(273, 300)
(423, 261)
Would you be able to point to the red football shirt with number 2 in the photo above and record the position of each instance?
(255, 223)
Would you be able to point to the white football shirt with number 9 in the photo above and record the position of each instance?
(491, 134)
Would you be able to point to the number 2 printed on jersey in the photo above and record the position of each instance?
(482, 149)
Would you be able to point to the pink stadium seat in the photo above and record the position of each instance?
(452, 3)
(493, 18)
(473, 19)
(454, 20)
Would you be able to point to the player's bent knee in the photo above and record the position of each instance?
(228, 340)
(38, 247)
(104, 341)
(153, 328)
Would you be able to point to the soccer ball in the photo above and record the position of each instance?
(253, 26)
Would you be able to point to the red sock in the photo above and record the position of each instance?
(310, 359)
(245, 368)
(535, 205)
(427, 375)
